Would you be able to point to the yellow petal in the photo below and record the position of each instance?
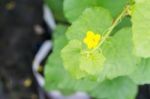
(90, 45)
(90, 34)
(97, 37)
(91, 39)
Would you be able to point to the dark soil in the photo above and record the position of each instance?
(144, 92)
(18, 45)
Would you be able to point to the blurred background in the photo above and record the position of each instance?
(22, 32)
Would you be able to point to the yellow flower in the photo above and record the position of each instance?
(91, 39)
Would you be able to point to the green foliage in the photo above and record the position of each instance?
(71, 58)
(74, 8)
(54, 66)
(80, 64)
(76, 34)
(94, 19)
(58, 78)
(118, 88)
(114, 7)
(92, 64)
(120, 61)
(118, 43)
(119, 57)
(141, 74)
(141, 28)
(140, 1)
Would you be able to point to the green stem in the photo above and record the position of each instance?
(109, 31)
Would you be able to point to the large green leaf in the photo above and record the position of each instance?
(74, 59)
(94, 19)
(120, 59)
(141, 74)
(118, 88)
(141, 28)
(74, 8)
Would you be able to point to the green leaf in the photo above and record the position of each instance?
(140, 1)
(141, 28)
(80, 64)
(74, 8)
(118, 88)
(53, 65)
(120, 60)
(114, 8)
(92, 64)
(59, 37)
(71, 58)
(57, 8)
(94, 19)
(141, 74)
(74, 61)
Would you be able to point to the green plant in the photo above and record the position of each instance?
(113, 60)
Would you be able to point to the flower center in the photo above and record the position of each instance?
(92, 39)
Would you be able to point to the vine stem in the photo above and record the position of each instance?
(115, 23)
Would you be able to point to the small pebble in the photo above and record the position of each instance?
(10, 5)
(27, 82)
(38, 29)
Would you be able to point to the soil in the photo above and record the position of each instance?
(19, 42)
